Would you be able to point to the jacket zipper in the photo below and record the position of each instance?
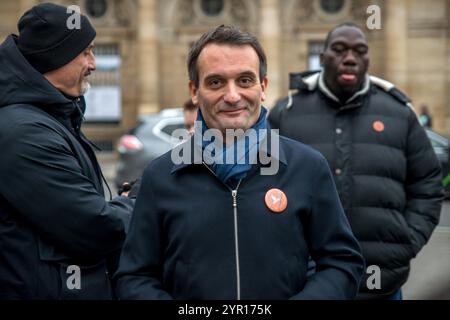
(89, 150)
(236, 241)
(236, 237)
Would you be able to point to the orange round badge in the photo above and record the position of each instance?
(276, 200)
(378, 126)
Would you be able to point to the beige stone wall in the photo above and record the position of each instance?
(9, 13)
(428, 54)
(396, 43)
(180, 23)
(147, 62)
(270, 38)
(412, 49)
(427, 76)
(173, 84)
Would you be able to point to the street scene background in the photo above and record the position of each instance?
(141, 48)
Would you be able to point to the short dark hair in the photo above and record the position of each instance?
(224, 35)
(344, 24)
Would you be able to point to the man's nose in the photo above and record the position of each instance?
(349, 58)
(92, 63)
(232, 94)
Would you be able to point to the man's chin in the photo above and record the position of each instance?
(85, 86)
(349, 88)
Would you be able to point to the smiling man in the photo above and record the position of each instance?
(60, 238)
(384, 167)
(229, 104)
(223, 230)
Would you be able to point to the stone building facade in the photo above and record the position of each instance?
(143, 45)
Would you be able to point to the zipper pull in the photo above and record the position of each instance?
(234, 194)
(77, 100)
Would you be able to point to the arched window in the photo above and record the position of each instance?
(212, 7)
(96, 8)
(332, 6)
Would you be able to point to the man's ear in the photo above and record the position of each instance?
(264, 84)
(193, 90)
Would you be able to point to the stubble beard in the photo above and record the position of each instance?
(85, 86)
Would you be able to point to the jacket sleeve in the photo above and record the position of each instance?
(332, 245)
(44, 183)
(140, 271)
(424, 191)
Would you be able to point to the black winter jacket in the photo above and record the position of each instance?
(386, 172)
(193, 237)
(53, 213)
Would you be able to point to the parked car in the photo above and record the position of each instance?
(441, 146)
(152, 137)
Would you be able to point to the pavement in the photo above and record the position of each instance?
(430, 270)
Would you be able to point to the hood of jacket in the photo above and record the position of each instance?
(22, 84)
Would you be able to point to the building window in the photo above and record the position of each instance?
(96, 8)
(104, 99)
(332, 6)
(314, 50)
(212, 7)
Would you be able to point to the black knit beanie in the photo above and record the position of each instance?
(45, 39)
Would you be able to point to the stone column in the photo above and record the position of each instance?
(270, 38)
(396, 33)
(147, 44)
(25, 5)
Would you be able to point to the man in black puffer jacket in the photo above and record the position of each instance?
(386, 172)
(59, 237)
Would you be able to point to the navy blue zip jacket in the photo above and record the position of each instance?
(53, 213)
(188, 241)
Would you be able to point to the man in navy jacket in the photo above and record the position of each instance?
(204, 228)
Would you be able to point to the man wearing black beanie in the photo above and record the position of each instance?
(48, 41)
(60, 238)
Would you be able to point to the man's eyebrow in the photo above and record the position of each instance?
(214, 75)
(221, 76)
(243, 73)
(344, 42)
(248, 73)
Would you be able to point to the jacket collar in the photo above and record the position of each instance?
(263, 152)
(327, 92)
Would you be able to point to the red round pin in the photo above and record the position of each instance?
(276, 200)
(378, 126)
